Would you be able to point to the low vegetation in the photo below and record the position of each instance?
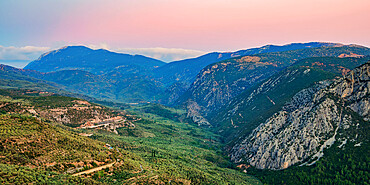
(162, 147)
(170, 151)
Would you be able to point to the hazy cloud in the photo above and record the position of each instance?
(97, 46)
(21, 53)
(164, 54)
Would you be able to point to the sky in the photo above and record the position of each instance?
(176, 29)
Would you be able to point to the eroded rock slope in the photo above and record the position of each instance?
(309, 123)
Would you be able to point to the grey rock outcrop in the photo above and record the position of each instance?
(306, 124)
(194, 113)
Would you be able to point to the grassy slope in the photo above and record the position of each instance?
(47, 147)
(13, 174)
(20, 101)
(28, 141)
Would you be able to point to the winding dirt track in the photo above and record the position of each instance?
(94, 169)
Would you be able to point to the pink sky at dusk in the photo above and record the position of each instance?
(207, 25)
(216, 24)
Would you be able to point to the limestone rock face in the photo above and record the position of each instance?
(354, 88)
(194, 113)
(307, 124)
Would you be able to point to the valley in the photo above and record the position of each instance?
(165, 148)
(291, 114)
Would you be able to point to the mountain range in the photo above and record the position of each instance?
(219, 83)
(140, 78)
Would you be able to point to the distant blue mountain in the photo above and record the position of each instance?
(100, 73)
(15, 63)
(95, 61)
(186, 70)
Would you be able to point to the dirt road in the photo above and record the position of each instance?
(94, 169)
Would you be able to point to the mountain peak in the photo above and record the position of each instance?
(74, 47)
(65, 49)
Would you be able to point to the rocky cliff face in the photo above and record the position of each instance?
(194, 112)
(246, 111)
(216, 85)
(307, 124)
(354, 88)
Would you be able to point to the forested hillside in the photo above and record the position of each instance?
(219, 83)
(247, 110)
